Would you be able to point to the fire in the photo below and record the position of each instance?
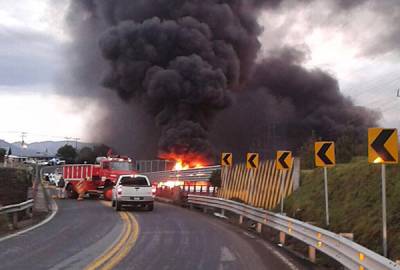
(179, 166)
(186, 161)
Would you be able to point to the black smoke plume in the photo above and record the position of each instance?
(185, 61)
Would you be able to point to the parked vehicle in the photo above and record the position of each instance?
(55, 161)
(99, 179)
(133, 190)
(54, 178)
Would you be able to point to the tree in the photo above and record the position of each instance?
(68, 153)
(87, 155)
(306, 153)
(101, 150)
(2, 154)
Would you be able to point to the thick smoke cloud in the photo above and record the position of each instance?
(284, 104)
(186, 62)
(180, 58)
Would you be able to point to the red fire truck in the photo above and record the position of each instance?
(96, 179)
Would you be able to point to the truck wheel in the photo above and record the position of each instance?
(117, 206)
(150, 207)
(71, 193)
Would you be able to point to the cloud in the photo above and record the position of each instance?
(368, 26)
(28, 57)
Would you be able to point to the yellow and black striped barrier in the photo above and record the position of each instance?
(260, 187)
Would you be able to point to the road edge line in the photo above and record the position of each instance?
(54, 211)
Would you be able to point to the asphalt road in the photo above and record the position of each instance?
(176, 238)
(79, 232)
(169, 238)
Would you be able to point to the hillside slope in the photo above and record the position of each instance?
(355, 202)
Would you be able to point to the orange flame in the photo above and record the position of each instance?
(179, 165)
(186, 161)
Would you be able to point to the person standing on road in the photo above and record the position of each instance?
(60, 188)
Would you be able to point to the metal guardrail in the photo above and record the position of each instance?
(197, 174)
(348, 253)
(16, 207)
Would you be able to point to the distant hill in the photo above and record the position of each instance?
(51, 147)
(17, 150)
(45, 148)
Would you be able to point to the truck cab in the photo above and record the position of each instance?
(110, 170)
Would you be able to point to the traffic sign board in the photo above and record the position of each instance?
(383, 145)
(284, 160)
(252, 161)
(325, 154)
(226, 159)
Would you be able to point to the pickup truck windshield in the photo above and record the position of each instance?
(134, 182)
(121, 166)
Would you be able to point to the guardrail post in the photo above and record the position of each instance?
(28, 212)
(259, 227)
(312, 254)
(282, 238)
(240, 219)
(15, 220)
(349, 236)
(222, 212)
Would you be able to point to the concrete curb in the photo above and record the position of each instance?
(54, 210)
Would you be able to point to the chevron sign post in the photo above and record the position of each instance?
(284, 162)
(325, 157)
(383, 148)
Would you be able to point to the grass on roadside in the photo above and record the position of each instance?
(354, 202)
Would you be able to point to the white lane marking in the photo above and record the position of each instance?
(249, 235)
(227, 255)
(279, 255)
(54, 212)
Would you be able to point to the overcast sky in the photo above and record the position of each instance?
(358, 46)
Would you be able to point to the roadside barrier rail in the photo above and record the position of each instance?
(350, 254)
(195, 174)
(15, 208)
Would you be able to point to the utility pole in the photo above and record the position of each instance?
(23, 135)
(76, 143)
(67, 139)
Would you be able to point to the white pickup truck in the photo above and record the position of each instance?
(132, 190)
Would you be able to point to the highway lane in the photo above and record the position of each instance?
(176, 238)
(78, 234)
(168, 238)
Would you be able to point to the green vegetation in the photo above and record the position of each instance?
(2, 154)
(215, 178)
(67, 153)
(88, 155)
(347, 146)
(14, 184)
(355, 202)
